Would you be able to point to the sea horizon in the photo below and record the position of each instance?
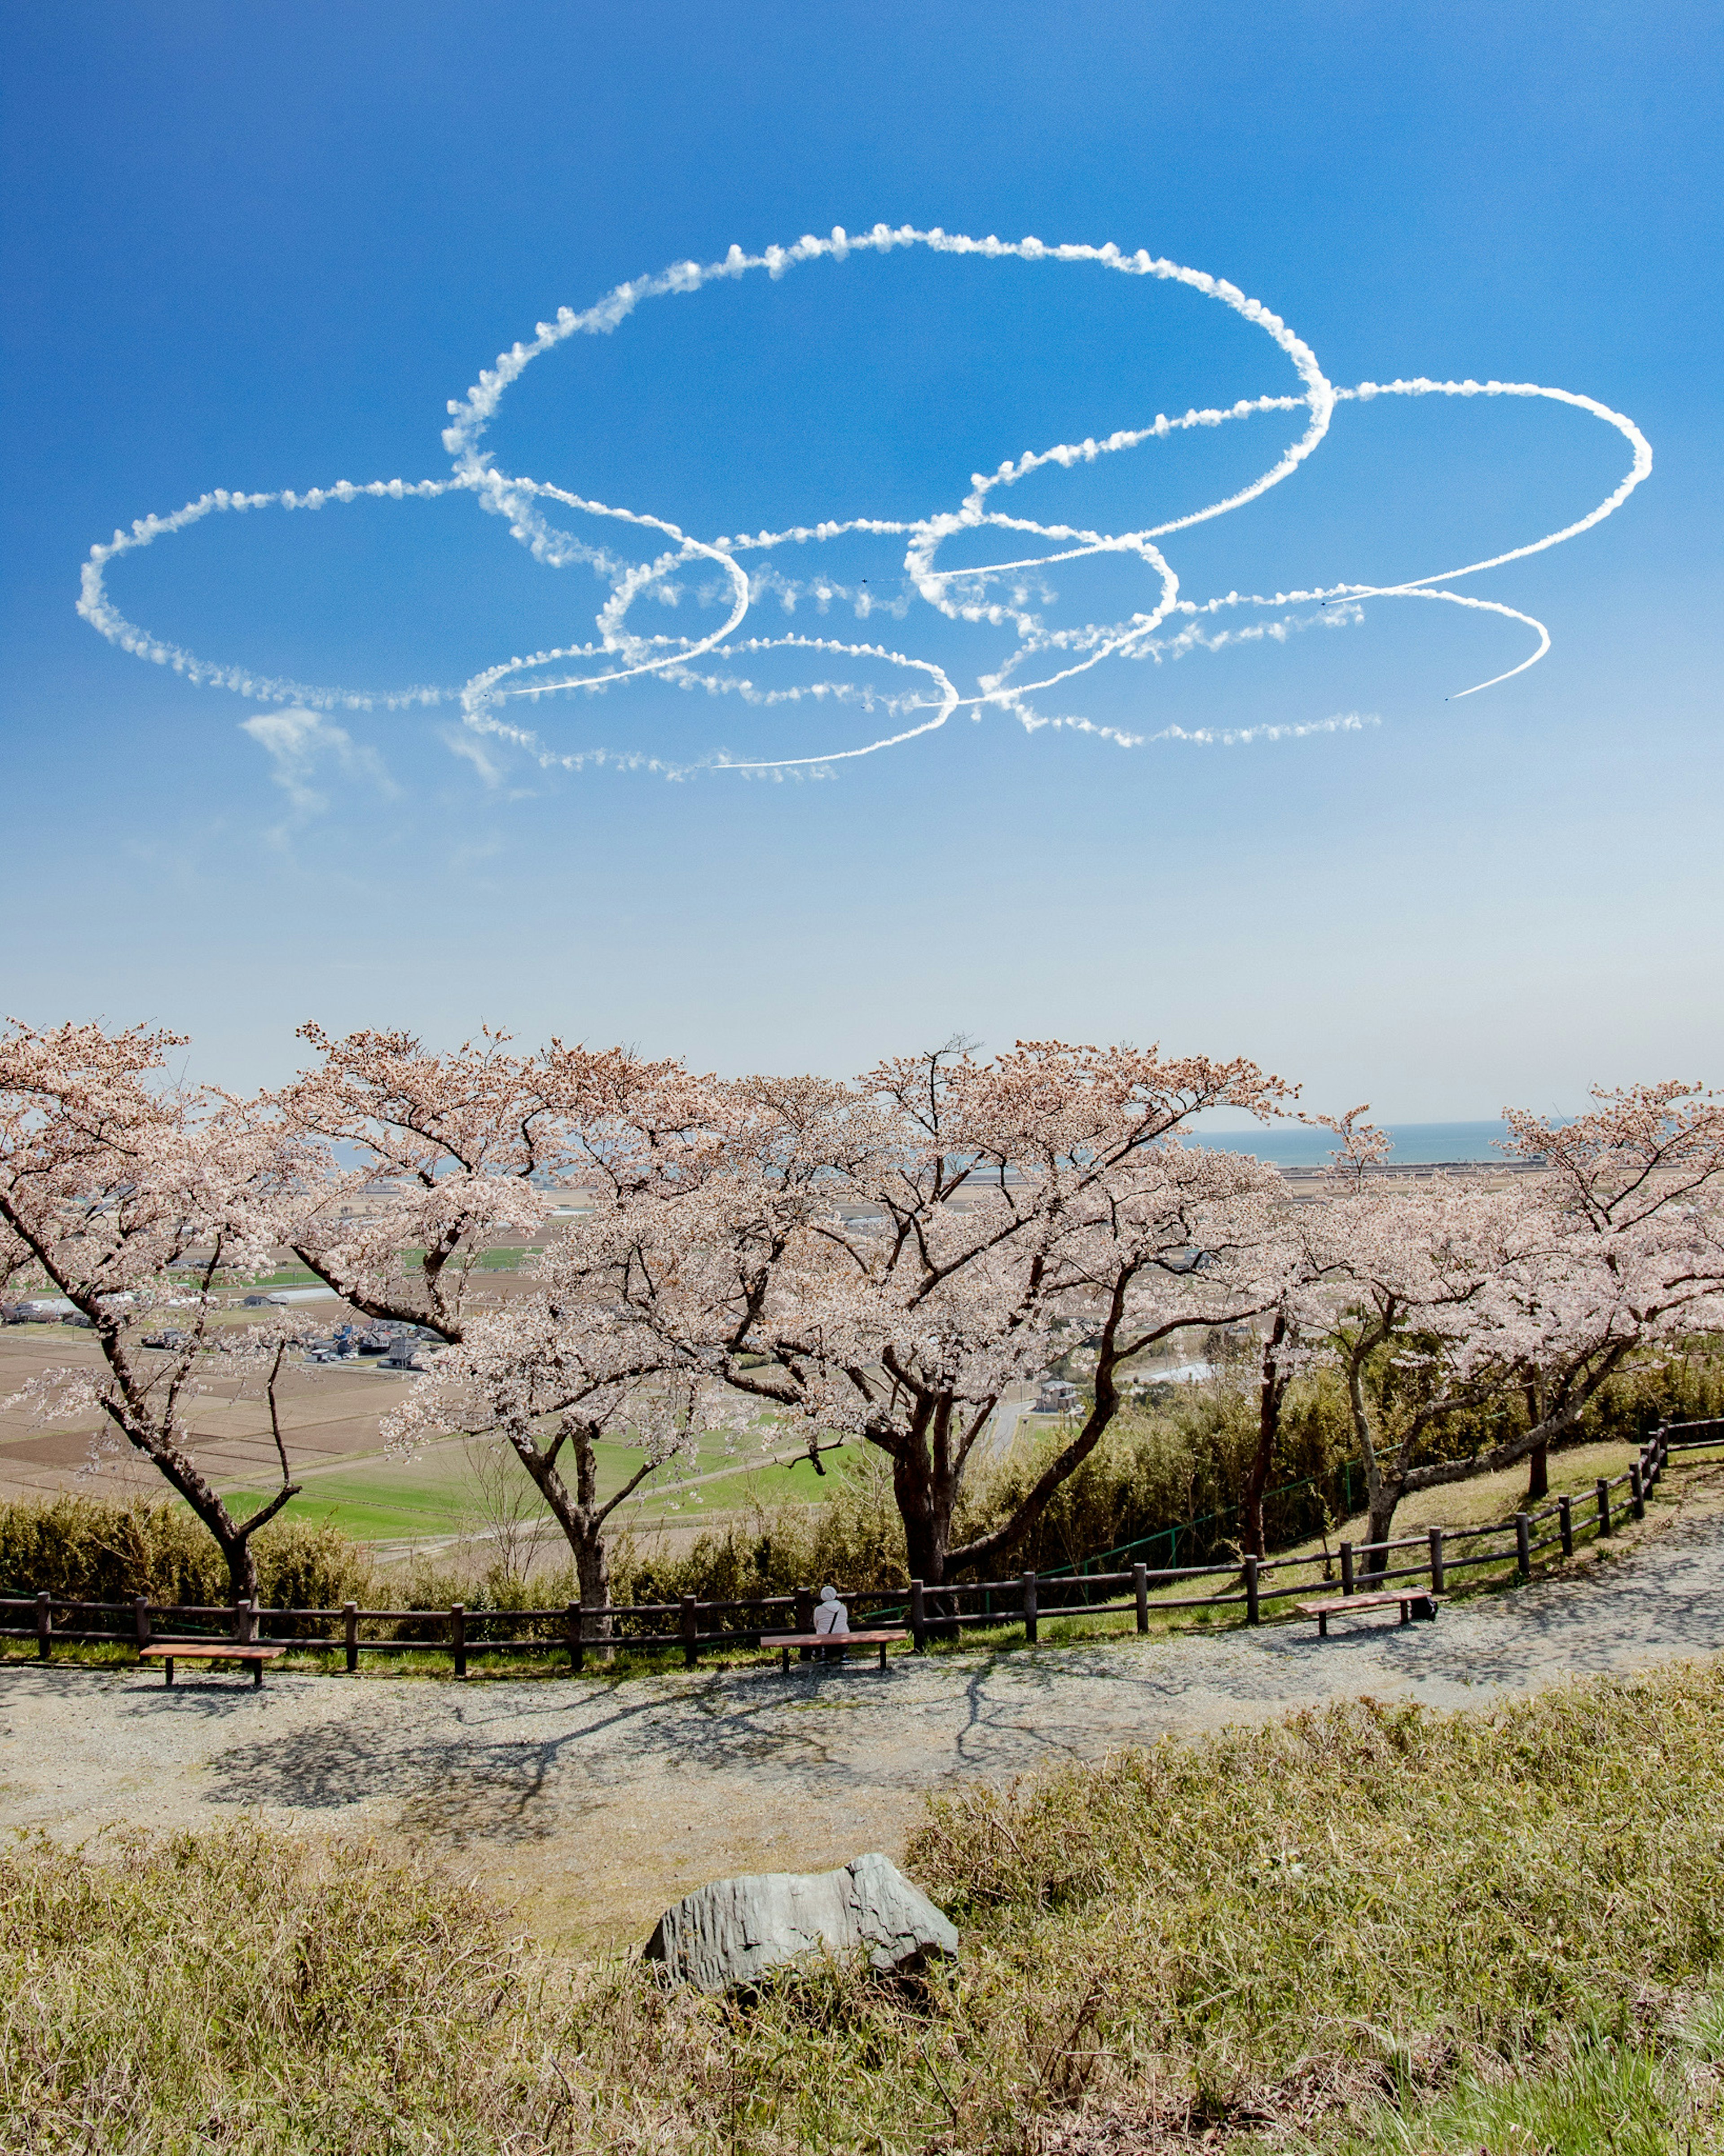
(1414, 1145)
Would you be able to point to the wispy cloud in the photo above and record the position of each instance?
(304, 746)
(472, 750)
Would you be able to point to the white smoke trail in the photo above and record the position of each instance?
(620, 654)
(97, 607)
(1344, 722)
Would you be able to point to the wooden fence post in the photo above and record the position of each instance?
(1523, 1545)
(350, 1634)
(805, 1620)
(690, 1634)
(918, 1617)
(245, 1623)
(1347, 1567)
(1030, 1610)
(458, 1636)
(1438, 1576)
(1253, 1615)
(45, 1627)
(1603, 1506)
(1565, 1522)
(1140, 1587)
(140, 1618)
(1637, 1495)
(574, 1631)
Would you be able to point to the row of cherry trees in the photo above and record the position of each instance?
(876, 1261)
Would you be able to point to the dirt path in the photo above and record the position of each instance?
(592, 1806)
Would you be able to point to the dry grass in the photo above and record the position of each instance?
(1370, 1928)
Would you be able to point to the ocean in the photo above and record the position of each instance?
(1292, 1145)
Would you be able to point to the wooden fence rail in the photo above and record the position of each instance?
(693, 1626)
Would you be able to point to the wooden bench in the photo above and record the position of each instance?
(170, 1651)
(1413, 1602)
(787, 1640)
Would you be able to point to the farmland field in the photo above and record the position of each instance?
(333, 1415)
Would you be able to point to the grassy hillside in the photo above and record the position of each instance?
(1367, 1929)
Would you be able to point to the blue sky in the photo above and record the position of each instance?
(262, 249)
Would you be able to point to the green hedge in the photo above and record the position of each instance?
(89, 1550)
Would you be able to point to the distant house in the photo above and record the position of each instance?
(1054, 1396)
(40, 1310)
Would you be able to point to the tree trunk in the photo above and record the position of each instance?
(1384, 1491)
(927, 1500)
(242, 1567)
(928, 1520)
(178, 1470)
(1380, 1524)
(592, 1569)
(581, 1517)
(1271, 1393)
(1538, 1480)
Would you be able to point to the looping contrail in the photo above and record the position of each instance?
(620, 654)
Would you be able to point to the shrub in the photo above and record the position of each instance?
(89, 1550)
(855, 1539)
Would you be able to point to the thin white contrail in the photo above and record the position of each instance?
(965, 593)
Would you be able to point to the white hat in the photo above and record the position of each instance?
(828, 1594)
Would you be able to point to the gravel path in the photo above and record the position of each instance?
(592, 1806)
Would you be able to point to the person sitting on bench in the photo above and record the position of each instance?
(831, 1616)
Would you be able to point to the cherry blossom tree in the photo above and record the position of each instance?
(437, 1154)
(1396, 1275)
(127, 1193)
(1531, 1297)
(552, 1375)
(1627, 1250)
(882, 1261)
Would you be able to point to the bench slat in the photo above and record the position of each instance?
(827, 1639)
(1411, 1602)
(208, 1651)
(167, 1652)
(784, 1642)
(1383, 1601)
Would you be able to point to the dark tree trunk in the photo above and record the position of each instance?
(592, 1570)
(1538, 1479)
(926, 1509)
(232, 1538)
(1272, 1391)
(241, 1568)
(581, 1516)
(1379, 1525)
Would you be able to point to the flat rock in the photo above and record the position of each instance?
(729, 1933)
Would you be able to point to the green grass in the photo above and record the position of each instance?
(1371, 1929)
(501, 1260)
(376, 1498)
(1606, 2098)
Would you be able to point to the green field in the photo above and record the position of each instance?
(384, 1500)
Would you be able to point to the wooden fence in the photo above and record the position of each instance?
(1250, 1584)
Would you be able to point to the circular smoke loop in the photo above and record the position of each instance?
(1056, 657)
